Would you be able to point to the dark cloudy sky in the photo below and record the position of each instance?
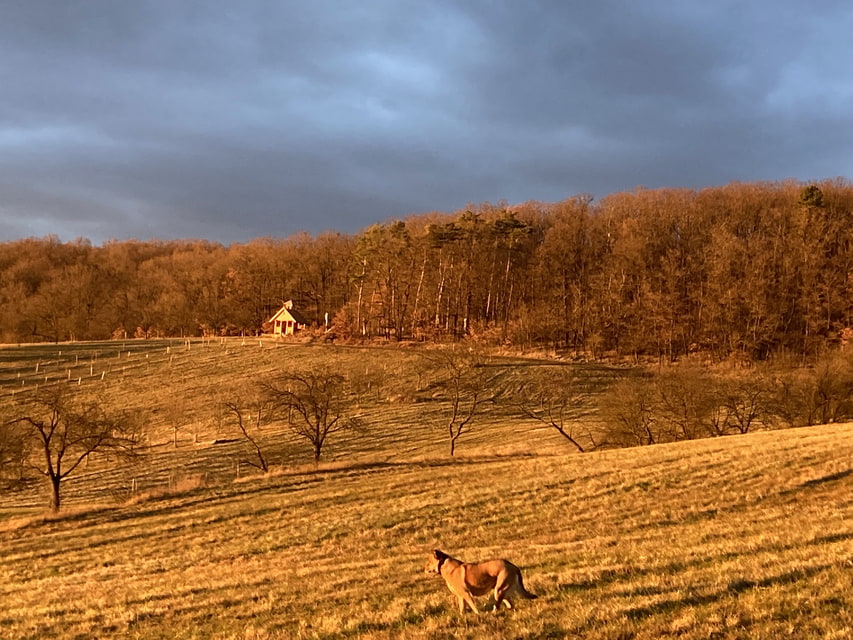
(234, 120)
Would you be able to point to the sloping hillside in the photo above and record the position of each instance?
(180, 386)
(743, 537)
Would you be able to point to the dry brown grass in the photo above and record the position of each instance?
(174, 380)
(742, 537)
(739, 537)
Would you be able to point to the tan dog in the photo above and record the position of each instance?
(468, 579)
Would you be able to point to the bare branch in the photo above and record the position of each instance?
(556, 402)
(62, 428)
(316, 404)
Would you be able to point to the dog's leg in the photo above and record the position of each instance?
(502, 589)
(463, 593)
(463, 598)
(461, 602)
(471, 603)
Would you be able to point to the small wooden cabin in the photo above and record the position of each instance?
(287, 320)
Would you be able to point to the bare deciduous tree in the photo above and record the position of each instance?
(820, 394)
(316, 405)
(557, 402)
(177, 414)
(463, 381)
(744, 400)
(629, 413)
(252, 405)
(13, 450)
(64, 432)
(685, 403)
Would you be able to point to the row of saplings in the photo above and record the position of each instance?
(54, 432)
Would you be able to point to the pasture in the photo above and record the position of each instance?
(180, 386)
(737, 537)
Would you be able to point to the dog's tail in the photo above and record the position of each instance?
(523, 591)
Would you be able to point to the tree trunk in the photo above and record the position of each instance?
(454, 436)
(54, 493)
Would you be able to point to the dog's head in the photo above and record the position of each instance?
(435, 561)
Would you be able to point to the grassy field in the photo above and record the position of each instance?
(181, 384)
(739, 537)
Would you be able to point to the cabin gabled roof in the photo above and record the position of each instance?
(292, 313)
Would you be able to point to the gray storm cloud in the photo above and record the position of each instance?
(232, 121)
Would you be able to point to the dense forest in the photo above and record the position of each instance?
(742, 270)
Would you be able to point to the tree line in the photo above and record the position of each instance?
(689, 402)
(746, 270)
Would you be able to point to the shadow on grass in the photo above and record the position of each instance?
(671, 606)
(171, 502)
(628, 574)
(832, 477)
(734, 589)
